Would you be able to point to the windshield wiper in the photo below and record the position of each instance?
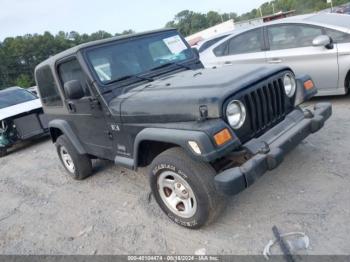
(149, 79)
(170, 64)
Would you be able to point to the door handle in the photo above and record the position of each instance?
(71, 107)
(275, 61)
(228, 63)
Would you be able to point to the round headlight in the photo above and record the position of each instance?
(236, 114)
(289, 84)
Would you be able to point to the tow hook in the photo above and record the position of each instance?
(265, 148)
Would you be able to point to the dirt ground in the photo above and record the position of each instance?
(43, 211)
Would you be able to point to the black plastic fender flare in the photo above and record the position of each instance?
(303, 95)
(177, 137)
(67, 130)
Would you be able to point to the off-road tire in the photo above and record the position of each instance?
(3, 151)
(199, 176)
(82, 163)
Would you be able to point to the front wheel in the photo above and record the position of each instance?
(77, 165)
(184, 189)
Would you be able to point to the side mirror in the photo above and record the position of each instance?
(74, 89)
(323, 40)
(195, 51)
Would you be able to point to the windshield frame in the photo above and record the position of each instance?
(109, 86)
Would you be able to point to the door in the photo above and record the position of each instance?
(245, 48)
(342, 41)
(85, 115)
(291, 45)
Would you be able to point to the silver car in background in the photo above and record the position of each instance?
(205, 44)
(315, 44)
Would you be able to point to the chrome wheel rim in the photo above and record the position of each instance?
(177, 194)
(67, 160)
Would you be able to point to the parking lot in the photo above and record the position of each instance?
(43, 211)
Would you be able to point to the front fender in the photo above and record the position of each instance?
(209, 151)
(65, 128)
(303, 94)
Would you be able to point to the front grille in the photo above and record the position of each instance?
(266, 105)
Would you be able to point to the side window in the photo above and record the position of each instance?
(47, 87)
(71, 70)
(211, 42)
(249, 42)
(221, 50)
(292, 36)
(338, 36)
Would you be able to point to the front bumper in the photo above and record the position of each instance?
(269, 150)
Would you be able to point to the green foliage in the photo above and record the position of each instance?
(24, 81)
(19, 55)
(189, 22)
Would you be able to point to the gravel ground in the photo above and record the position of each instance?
(43, 211)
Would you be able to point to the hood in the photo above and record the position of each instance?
(177, 98)
(19, 109)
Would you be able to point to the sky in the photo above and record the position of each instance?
(19, 17)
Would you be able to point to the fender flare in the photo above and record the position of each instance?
(174, 136)
(67, 131)
(301, 94)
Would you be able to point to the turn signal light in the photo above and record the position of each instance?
(308, 85)
(222, 137)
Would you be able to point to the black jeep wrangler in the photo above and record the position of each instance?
(145, 99)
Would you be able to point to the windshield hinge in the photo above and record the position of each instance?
(203, 112)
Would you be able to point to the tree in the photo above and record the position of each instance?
(20, 55)
(189, 22)
(24, 80)
(214, 18)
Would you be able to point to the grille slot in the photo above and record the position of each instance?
(266, 105)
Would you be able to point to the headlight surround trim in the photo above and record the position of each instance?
(236, 114)
(289, 84)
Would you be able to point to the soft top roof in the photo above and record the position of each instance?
(75, 49)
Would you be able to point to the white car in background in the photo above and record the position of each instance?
(21, 117)
(316, 44)
(34, 90)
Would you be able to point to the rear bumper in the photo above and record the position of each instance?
(270, 149)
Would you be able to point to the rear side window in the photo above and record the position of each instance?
(292, 36)
(338, 36)
(209, 43)
(247, 42)
(221, 50)
(47, 87)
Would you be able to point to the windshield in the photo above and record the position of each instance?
(14, 97)
(137, 56)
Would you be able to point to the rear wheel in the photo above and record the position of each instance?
(3, 151)
(77, 165)
(184, 189)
